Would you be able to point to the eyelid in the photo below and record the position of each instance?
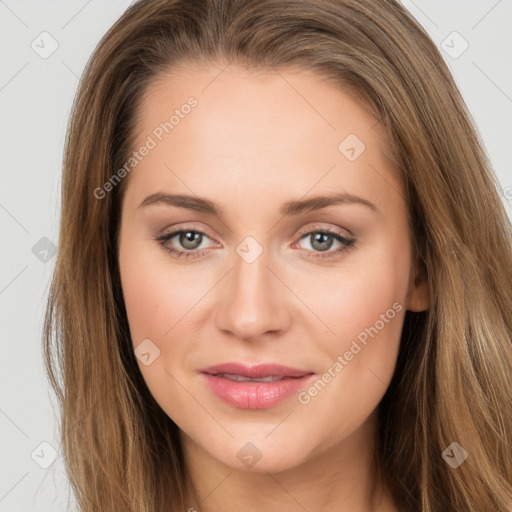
(322, 227)
(183, 227)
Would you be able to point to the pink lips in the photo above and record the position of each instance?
(230, 382)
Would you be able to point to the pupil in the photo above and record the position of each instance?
(323, 244)
(188, 239)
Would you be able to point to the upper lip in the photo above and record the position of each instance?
(260, 370)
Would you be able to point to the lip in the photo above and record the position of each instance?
(259, 370)
(253, 394)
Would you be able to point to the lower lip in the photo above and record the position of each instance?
(253, 394)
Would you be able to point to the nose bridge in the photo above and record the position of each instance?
(253, 303)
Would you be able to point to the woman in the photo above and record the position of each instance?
(284, 273)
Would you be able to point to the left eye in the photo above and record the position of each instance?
(323, 240)
(190, 240)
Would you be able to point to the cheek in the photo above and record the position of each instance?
(362, 310)
(354, 296)
(157, 293)
(157, 297)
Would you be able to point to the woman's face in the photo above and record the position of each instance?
(262, 271)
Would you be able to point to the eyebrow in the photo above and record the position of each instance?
(290, 208)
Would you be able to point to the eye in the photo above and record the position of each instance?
(188, 238)
(321, 241)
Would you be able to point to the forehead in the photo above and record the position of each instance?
(259, 99)
(281, 129)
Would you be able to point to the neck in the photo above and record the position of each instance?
(341, 477)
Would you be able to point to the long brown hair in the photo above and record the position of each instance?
(453, 379)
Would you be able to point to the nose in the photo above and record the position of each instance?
(254, 301)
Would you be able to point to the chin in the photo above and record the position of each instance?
(259, 454)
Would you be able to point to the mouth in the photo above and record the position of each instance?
(241, 378)
(266, 370)
(254, 387)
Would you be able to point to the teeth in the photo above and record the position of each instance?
(240, 378)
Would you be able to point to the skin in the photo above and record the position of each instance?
(253, 142)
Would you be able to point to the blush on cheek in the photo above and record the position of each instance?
(158, 298)
(142, 299)
(358, 303)
(369, 330)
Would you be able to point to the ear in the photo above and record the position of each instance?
(418, 295)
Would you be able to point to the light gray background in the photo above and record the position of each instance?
(35, 100)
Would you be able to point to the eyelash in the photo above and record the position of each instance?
(348, 243)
